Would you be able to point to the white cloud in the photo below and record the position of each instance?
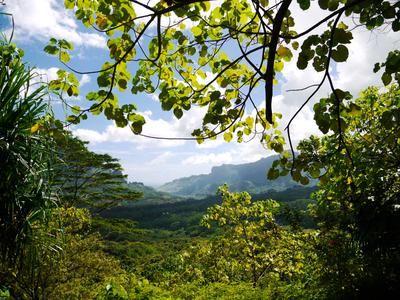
(154, 97)
(148, 113)
(46, 75)
(208, 144)
(154, 127)
(84, 80)
(366, 49)
(306, 19)
(161, 159)
(209, 159)
(89, 135)
(42, 19)
(354, 75)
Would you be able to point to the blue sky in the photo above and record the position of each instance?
(155, 162)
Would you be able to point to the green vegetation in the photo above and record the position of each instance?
(252, 243)
(25, 196)
(185, 215)
(55, 245)
(358, 200)
(83, 177)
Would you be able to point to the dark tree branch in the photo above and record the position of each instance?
(302, 89)
(271, 40)
(340, 130)
(330, 16)
(269, 75)
(328, 60)
(197, 138)
(114, 65)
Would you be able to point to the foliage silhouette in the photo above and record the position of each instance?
(195, 53)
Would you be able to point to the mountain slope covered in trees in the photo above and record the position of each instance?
(151, 195)
(251, 177)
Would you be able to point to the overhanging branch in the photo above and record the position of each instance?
(269, 75)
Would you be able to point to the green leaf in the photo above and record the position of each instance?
(386, 78)
(122, 84)
(302, 62)
(61, 73)
(341, 36)
(72, 79)
(224, 83)
(315, 172)
(178, 113)
(228, 136)
(103, 80)
(250, 121)
(70, 91)
(167, 104)
(296, 175)
(199, 140)
(304, 180)
(278, 66)
(304, 4)
(354, 109)
(323, 4)
(64, 57)
(203, 51)
(340, 54)
(69, 4)
(73, 119)
(342, 25)
(333, 5)
(324, 124)
(196, 31)
(54, 85)
(192, 50)
(137, 123)
(215, 95)
(64, 44)
(75, 109)
(273, 174)
(396, 25)
(51, 49)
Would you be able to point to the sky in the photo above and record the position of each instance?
(155, 162)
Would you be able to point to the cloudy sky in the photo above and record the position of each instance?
(153, 161)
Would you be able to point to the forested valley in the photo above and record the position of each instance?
(319, 219)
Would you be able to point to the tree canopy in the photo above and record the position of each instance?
(213, 54)
(82, 177)
(252, 241)
(359, 184)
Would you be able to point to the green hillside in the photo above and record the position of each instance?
(251, 177)
(151, 195)
(185, 215)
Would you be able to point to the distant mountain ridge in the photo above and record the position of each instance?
(151, 195)
(250, 177)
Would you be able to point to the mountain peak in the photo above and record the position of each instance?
(251, 177)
